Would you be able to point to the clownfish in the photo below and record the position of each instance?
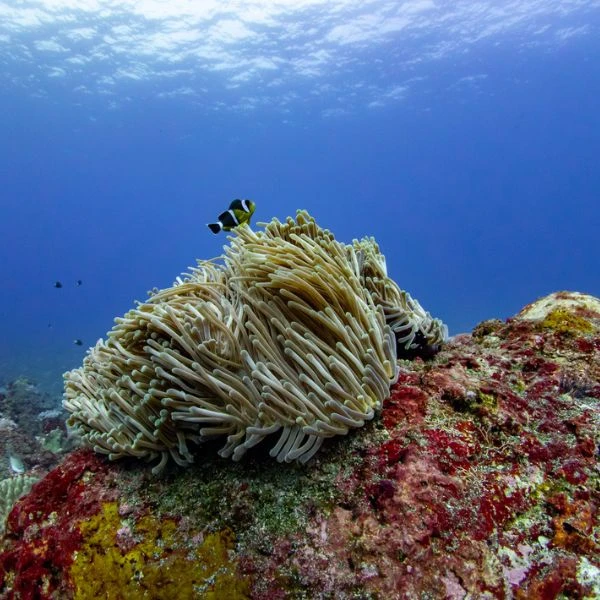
(238, 213)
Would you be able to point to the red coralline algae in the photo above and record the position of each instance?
(452, 451)
(479, 480)
(390, 452)
(41, 532)
(406, 402)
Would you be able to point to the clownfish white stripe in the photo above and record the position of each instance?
(239, 213)
(235, 219)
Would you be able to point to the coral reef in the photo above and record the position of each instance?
(33, 432)
(11, 489)
(479, 480)
(22, 401)
(295, 334)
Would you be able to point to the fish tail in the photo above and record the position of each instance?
(215, 227)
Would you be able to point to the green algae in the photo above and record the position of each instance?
(254, 497)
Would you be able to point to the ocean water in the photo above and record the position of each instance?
(463, 135)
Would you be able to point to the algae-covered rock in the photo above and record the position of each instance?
(478, 480)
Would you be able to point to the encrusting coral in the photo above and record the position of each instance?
(293, 332)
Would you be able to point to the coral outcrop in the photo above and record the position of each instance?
(33, 438)
(479, 480)
(294, 333)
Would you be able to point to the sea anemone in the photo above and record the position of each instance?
(291, 332)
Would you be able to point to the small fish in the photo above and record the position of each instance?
(57, 284)
(79, 282)
(16, 464)
(238, 213)
(78, 342)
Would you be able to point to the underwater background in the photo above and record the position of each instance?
(463, 136)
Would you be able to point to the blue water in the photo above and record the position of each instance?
(464, 136)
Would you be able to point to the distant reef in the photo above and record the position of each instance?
(477, 479)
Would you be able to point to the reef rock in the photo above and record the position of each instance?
(479, 479)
